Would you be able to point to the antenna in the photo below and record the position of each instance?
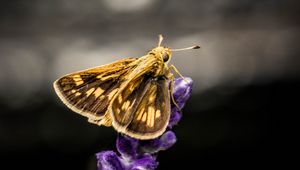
(160, 39)
(187, 48)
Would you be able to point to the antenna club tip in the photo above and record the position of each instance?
(196, 47)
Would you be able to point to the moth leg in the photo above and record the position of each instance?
(171, 91)
(176, 70)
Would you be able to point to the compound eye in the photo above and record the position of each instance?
(165, 57)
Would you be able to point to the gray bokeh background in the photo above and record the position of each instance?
(247, 67)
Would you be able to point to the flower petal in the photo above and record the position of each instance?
(175, 117)
(164, 142)
(109, 160)
(182, 90)
(127, 146)
(167, 140)
(147, 162)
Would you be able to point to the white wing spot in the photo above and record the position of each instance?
(77, 79)
(140, 113)
(150, 120)
(151, 99)
(151, 110)
(78, 82)
(117, 110)
(90, 91)
(103, 78)
(157, 114)
(126, 105)
(144, 117)
(120, 98)
(98, 92)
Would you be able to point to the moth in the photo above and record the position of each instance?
(133, 95)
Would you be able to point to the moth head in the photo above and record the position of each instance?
(162, 52)
(166, 53)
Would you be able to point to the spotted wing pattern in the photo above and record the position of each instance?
(142, 108)
(89, 92)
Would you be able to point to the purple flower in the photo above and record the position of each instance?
(141, 154)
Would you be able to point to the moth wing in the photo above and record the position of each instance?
(142, 111)
(127, 100)
(89, 92)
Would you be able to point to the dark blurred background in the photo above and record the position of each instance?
(245, 77)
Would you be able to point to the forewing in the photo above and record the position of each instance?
(148, 113)
(89, 92)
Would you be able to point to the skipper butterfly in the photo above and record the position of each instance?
(133, 94)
